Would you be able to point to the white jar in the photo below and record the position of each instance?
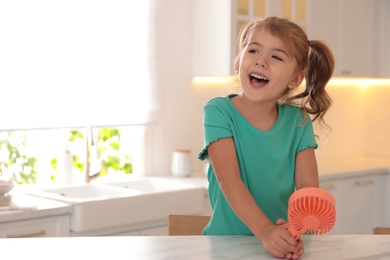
(181, 165)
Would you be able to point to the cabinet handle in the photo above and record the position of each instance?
(36, 234)
(363, 182)
(328, 187)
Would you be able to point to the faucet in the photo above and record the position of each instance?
(91, 149)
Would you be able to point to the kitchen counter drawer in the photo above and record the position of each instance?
(56, 226)
(360, 202)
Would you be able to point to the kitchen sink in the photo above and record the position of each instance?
(152, 185)
(84, 193)
(123, 204)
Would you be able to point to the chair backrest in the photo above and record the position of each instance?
(381, 230)
(186, 225)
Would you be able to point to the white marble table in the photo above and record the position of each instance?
(192, 247)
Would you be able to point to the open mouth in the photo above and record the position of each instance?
(258, 80)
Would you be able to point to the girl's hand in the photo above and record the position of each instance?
(299, 247)
(279, 242)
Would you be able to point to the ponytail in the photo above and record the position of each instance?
(319, 70)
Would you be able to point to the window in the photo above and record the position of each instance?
(77, 63)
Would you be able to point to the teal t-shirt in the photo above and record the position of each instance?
(266, 160)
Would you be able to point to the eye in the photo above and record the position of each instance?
(277, 58)
(253, 51)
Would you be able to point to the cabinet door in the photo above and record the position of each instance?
(42, 227)
(217, 24)
(156, 231)
(364, 204)
(351, 28)
(384, 32)
(387, 200)
(212, 38)
(359, 38)
(335, 188)
(127, 233)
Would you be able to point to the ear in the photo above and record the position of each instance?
(237, 65)
(296, 79)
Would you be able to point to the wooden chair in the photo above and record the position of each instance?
(381, 230)
(186, 225)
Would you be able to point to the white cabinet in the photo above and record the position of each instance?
(155, 231)
(127, 233)
(57, 226)
(384, 40)
(365, 203)
(357, 31)
(387, 200)
(161, 230)
(217, 23)
(360, 203)
(212, 38)
(335, 188)
(352, 29)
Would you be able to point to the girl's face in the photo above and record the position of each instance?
(266, 69)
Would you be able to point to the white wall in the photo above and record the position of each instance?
(360, 121)
(346, 118)
(181, 119)
(377, 122)
(358, 117)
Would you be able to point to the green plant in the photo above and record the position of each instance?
(110, 154)
(16, 164)
(112, 159)
(19, 164)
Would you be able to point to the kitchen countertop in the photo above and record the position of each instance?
(333, 247)
(346, 166)
(28, 207)
(337, 168)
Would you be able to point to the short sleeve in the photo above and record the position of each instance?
(307, 139)
(216, 125)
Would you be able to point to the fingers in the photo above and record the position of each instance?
(279, 248)
(299, 250)
(279, 242)
(287, 236)
(297, 253)
(286, 244)
(294, 247)
(281, 253)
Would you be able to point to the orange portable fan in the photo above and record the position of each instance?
(311, 210)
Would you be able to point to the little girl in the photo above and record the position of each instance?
(260, 143)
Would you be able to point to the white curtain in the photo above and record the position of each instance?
(77, 63)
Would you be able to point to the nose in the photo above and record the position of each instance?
(261, 62)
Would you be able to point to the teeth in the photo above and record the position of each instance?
(258, 76)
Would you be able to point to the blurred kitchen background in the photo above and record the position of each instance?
(112, 88)
(195, 43)
(197, 40)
